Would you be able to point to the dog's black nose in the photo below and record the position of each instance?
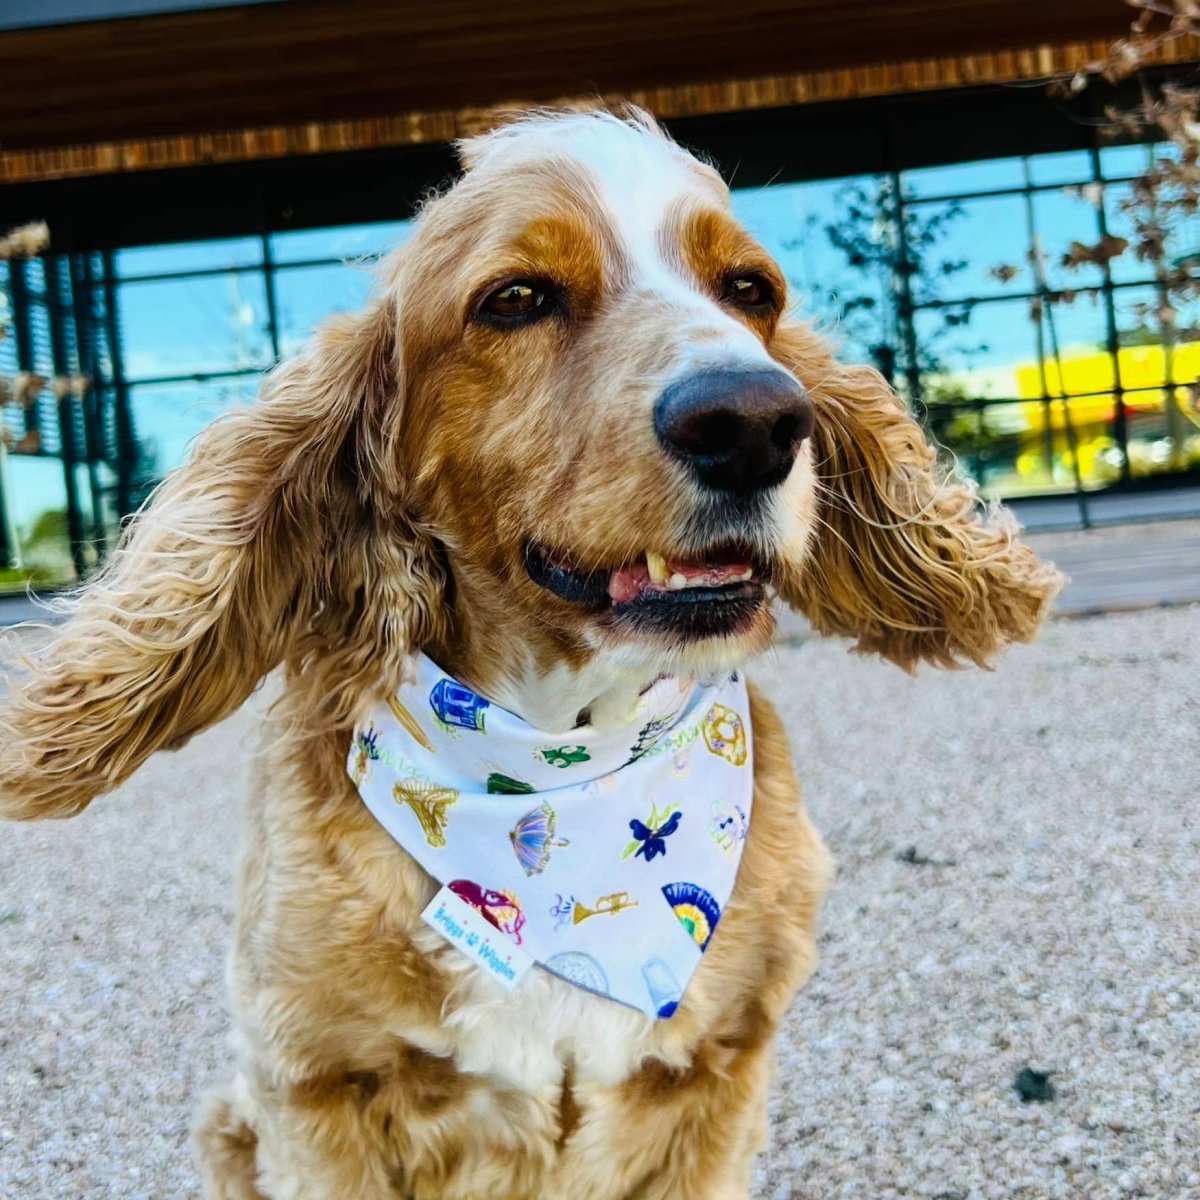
(738, 430)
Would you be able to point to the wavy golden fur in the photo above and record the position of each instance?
(336, 526)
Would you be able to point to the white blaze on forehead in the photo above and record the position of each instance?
(641, 177)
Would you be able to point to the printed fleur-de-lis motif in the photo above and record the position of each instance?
(429, 804)
(565, 756)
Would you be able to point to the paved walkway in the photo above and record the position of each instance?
(1108, 508)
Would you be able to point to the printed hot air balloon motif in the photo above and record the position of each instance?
(725, 735)
(565, 756)
(650, 838)
(580, 969)
(533, 838)
(365, 752)
(454, 704)
(430, 804)
(499, 784)
(696, 909)
(501, 909)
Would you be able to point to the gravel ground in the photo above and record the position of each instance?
(1018, 887)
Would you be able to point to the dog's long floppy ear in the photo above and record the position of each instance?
(901, 559)
(282, 538)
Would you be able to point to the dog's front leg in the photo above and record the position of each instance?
(670, 1134)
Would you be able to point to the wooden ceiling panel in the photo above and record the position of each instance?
(305, 60)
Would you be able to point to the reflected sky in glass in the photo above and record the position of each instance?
(305, 296)
(166, 417)
(194, 325)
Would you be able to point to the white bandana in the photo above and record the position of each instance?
(607, 857)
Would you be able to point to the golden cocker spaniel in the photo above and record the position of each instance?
(574, 444)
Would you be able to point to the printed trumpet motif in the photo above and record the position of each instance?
(605, 906)
(429, 804)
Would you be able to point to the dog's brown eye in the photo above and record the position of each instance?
(515, 300)
(749, 291)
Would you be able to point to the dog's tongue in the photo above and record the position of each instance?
(627, 583)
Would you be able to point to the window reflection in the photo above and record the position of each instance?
(213, 255)
(306, 295)
(166, 417)
(346, 243)
(194, 326)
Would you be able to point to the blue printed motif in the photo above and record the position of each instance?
(664, 989)
(454, 704)
(650, 840)
(696, 908)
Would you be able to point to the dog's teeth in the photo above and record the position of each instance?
(656, 565)
(677, 582)
(746, 575)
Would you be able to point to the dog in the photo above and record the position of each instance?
(573, 447)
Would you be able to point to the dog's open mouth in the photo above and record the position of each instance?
(713, 595)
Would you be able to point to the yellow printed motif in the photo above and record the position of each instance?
(409, 723)
(725, 735)
(429, 803)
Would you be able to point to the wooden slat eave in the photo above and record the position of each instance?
(1023, 64)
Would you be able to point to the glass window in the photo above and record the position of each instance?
(968, 249)
(1161, 441)
(217, 254)
(991, 175)
(1080, 326)
(192, 326)
(339, 244)
(991, 353)
(832, 244)
(166, 417)
(1062, 219)
(1124, 162)
(36, 494)
(304, 296)
(1070, 166)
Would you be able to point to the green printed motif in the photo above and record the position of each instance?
(565, 756)
(505, 785)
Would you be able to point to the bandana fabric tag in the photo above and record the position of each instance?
(466, 930)
(605, 857)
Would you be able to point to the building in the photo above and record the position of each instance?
(216, 176)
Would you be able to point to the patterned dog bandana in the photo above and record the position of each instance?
(606, 857)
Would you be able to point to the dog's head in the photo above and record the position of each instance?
(574, 437)
(595, 427)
